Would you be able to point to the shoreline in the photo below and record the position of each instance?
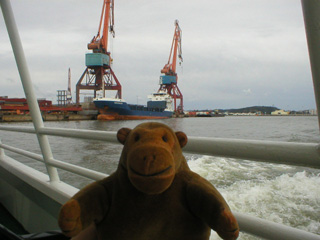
(46, 117)
(79, 117)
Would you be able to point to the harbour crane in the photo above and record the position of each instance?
(168, 81)
(98, 74)
(69, 95)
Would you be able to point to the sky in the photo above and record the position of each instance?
(236, 53)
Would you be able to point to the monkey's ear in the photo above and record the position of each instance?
(122, 134)
(183, 139)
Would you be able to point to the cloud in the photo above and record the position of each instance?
(247, 91)
(10, 80)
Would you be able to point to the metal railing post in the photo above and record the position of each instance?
(27, 85)
(1, 152)
(311, 14)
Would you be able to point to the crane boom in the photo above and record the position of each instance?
(170, 67)
(100, 43)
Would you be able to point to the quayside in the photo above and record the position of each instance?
(34, 198)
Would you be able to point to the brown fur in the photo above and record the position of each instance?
(152, 195)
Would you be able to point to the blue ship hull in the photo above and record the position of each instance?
(120, 110)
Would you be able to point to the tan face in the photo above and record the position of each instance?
(151, 156)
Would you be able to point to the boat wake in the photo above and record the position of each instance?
(279, 193)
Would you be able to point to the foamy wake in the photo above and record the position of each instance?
(279, 193)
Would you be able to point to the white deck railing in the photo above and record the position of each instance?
(290, 153)
(305, 154)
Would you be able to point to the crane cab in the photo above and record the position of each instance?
(97, 59)
(167, 80)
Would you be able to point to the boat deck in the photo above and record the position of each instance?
(9, 222)
(11, 229)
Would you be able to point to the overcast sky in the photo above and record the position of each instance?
(236, 53)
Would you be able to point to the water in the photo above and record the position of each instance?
(280, 193)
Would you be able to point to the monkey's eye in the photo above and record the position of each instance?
(165, 139)
(137, 138)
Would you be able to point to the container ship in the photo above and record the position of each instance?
(160, 106)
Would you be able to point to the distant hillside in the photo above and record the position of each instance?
(253, 109)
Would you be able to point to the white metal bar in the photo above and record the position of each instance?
(94, 175)
(1, 151)
(67, 132)
(17, 129)
(81, 133)
(27, 84)
(22, 152)
(270, 230)
(311, 13)
(84, 172)
(301, 154)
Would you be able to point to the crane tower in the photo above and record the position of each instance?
(168, 81)
(69, 95)
(98, 75)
